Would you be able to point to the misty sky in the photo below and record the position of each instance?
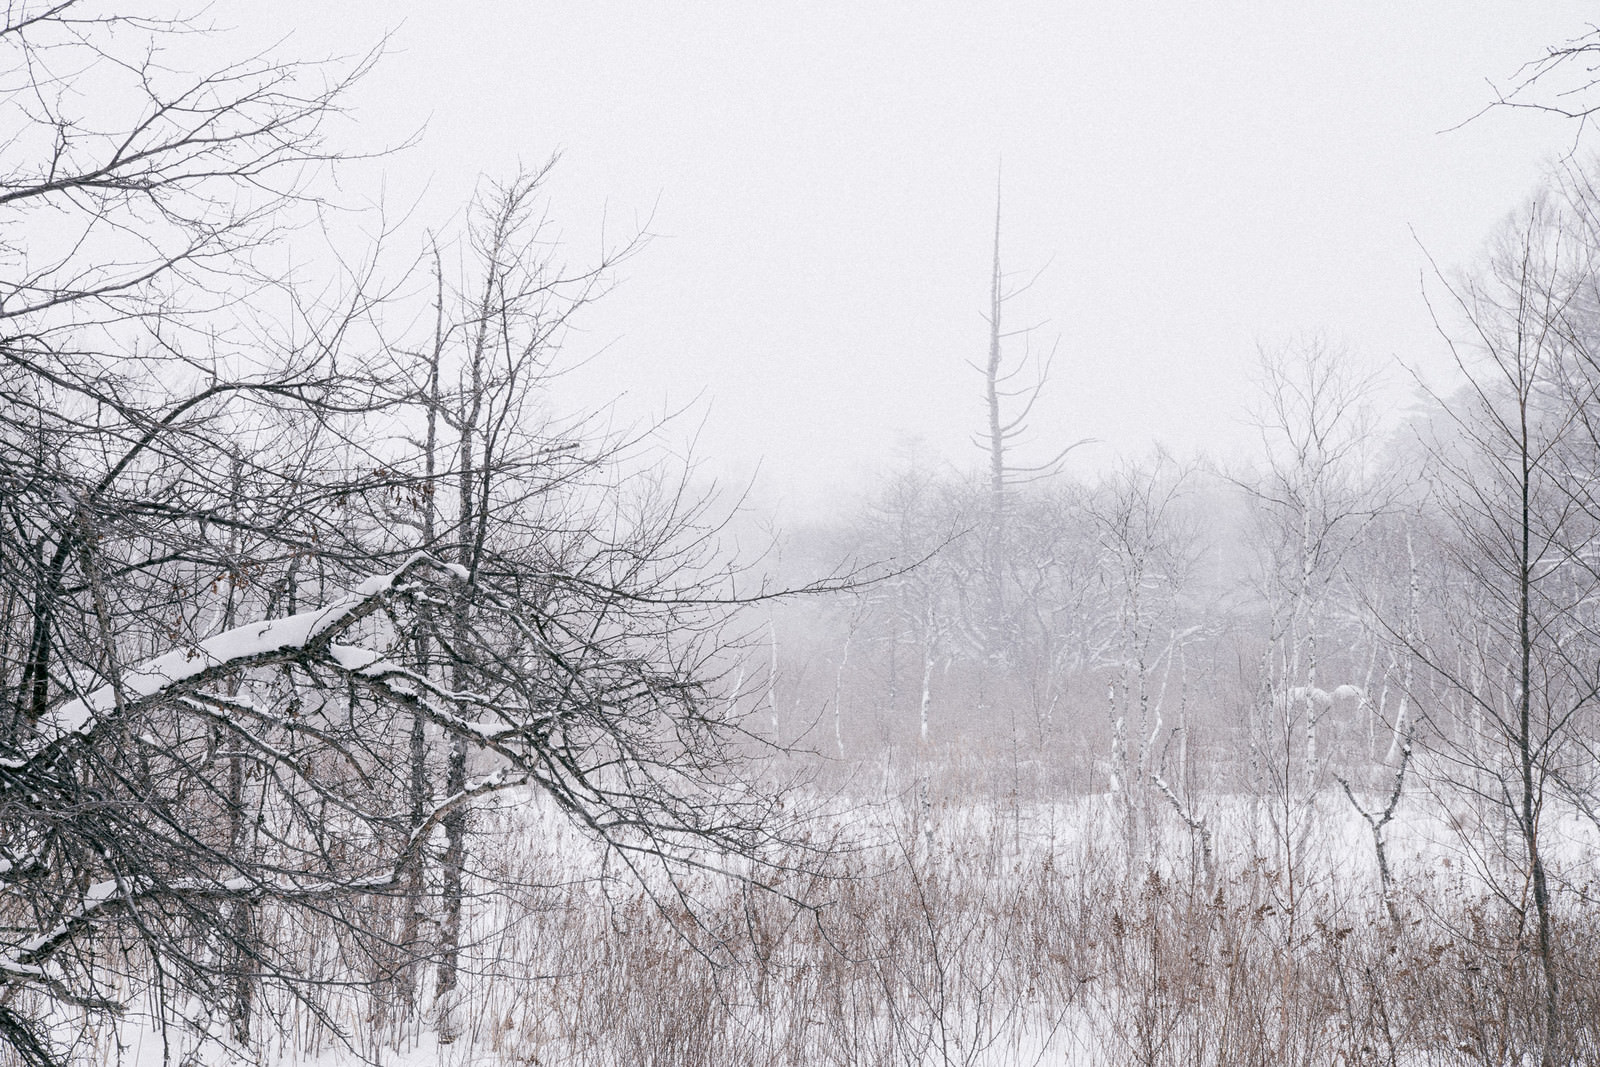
(1192, 178)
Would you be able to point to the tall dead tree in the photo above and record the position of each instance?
(1011, 389)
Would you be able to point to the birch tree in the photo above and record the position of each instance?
(1317, 498)
(1148, 553)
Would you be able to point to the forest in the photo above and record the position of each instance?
(361, 705)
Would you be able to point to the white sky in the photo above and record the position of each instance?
(1198, 178)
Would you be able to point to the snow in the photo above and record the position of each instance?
(242, 643)
(354, 658)
(507, 1018)
(93, 897)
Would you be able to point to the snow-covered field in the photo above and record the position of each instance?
(985, 933)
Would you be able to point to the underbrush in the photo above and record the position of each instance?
(974, 934)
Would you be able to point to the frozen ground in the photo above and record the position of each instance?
(980, 933)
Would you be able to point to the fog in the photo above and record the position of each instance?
(1187, 182)
(798, 535)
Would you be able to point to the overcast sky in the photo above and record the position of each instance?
(1192, 178)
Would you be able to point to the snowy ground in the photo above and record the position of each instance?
(980, 934)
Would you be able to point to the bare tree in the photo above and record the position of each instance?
(1148, 557)
(913, 528)
(1511, 666)
(493, 486)
(1560, 82)
(1400, 620)
(269, 623)
(1011, 389)
(1316, 500)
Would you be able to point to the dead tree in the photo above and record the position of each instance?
(1011, 389)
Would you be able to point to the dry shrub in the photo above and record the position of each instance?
(961, 941)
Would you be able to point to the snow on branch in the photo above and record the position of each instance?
(253, 644)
